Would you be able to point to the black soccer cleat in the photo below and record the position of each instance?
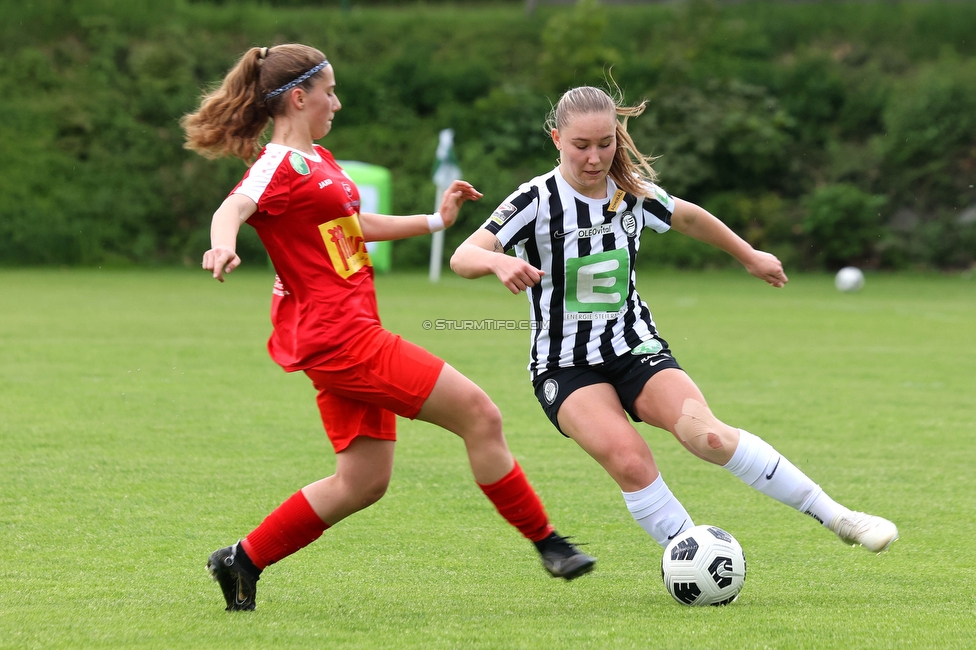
(238, 582)
(562, 559)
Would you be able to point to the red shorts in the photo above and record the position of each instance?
(375, 378)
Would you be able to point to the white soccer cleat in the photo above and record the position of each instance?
(873, 533)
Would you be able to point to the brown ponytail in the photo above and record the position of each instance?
(630, 170)
(232, 118)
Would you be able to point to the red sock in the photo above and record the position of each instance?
(519, 504)
(292, 526)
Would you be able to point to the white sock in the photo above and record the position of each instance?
(658, 511)
(765, 469)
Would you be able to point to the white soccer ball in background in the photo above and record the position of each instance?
(848, 279)
(704, 565)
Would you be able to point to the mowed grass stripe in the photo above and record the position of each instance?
(142, 425)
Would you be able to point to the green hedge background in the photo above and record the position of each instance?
(828, 133)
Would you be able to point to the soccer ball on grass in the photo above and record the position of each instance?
(849, 279)
(704, 565)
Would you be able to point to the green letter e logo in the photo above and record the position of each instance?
(597, 282)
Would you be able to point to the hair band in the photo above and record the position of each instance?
(294, 82)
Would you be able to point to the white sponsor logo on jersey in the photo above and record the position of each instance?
(605, 229)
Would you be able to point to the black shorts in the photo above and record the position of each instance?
(627, 374)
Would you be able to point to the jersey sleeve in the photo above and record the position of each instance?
(657, 207)
(513, 221)
(267, 183)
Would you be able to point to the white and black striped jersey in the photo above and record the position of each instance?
(586, 310)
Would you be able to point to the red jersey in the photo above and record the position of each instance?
(308, 220)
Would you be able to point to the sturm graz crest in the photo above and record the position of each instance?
(629, 223)
(549, 390)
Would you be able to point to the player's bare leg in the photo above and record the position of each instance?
(460, 406)
(457, 404)
(670, 400)
(362, 474)
(363, 471)
(594, 418)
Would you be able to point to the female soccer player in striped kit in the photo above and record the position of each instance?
(306, 211)
(596, 355)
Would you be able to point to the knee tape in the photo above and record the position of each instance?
(702, 432)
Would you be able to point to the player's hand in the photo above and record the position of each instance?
(454, 197)
(515, 273)
(220, 261)
(768, 268)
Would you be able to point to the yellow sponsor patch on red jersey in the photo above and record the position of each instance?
(347, 248)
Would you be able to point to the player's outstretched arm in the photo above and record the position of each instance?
(226, 223)
(482, 253)
(696, 222)
(381, 227)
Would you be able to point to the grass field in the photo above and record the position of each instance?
(142, 425)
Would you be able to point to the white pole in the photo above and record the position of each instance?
(446, 171)
(436, 254)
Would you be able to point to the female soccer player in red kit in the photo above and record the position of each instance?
(306, 211)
